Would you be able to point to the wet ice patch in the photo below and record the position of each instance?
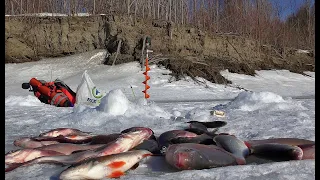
(22, 101)
(78, 108)
(148, 109)
(263, 97)
(176, 113)
(251, 101)
(141, 102)
(201, 114)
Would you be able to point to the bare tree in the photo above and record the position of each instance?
(258, 19)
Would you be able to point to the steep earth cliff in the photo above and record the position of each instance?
(184, 50)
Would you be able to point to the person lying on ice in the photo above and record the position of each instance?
(56, 93)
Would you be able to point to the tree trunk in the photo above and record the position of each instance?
(94, 7)
(20, 6)
(12, 10)
(154, 9)
(158, 9)
(170, 5)
(194, 12)
(118, 51)
(182, 14)
(143, 10)
(27, 7)
(142, 52)
(309, 23)
(149, 9)
(128, 7)
(33, 7)
(203, 14)
(167, 13)
(217, 16)
(135, 11)
(175, 11)
(39, 5)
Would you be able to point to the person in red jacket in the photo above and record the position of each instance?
(56, 93)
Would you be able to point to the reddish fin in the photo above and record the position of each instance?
(135, 166)
(224, 134)
(247, 144)
(115, 174)
(73, 152)
(72, 136)
(156, 155)
(146, 155)
(241, 161)
(13, 166)
(116, 164)
(303, 146)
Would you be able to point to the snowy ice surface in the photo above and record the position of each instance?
(278, 104)
(281, 82)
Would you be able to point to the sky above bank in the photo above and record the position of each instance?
(287, 7)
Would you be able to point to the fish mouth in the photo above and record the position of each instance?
(18, 142)
(186, 134)
(181, 160)
(297, 154)
(135, 129)
(145, 132)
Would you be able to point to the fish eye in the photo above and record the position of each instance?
(163, 149)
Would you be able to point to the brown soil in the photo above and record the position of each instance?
(184, 50)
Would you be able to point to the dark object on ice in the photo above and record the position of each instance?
(212, 124)
(233, 145)
(278, 152)
(104, 139)
(181, 136)
(308, 153)
(190, 156)
(199, 128)
(25, 85)
(150, 145)
(307, 146)
(288, 141)
(200, 139)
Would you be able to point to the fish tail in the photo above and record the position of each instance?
(212, 133)
(240, 161)
(13, 166)
(16, 165)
